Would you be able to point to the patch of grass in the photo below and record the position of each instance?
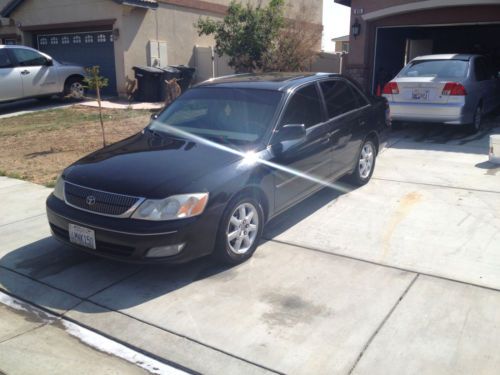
(15, 175)
(38, 146)
(57, 119)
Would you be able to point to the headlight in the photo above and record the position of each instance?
(171, 208)
(59, 188)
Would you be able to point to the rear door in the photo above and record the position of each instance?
(11, 86)
(486, 84)
(347, 111)
(38, 78)
(308, 161)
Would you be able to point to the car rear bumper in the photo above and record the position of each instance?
(130, 240)
(451, 113)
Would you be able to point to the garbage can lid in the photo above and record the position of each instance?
(148, 69)
(170, 69)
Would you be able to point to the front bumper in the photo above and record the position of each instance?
(129, 240)
(449, 113)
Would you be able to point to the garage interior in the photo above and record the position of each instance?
(397, 45)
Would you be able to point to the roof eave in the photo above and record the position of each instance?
(139, 3)
(9, 8)
(347, 3)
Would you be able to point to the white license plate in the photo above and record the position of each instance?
(82, 236)
(419, 94)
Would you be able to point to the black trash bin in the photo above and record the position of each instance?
(168, 73)
(149, 83)
(187, 75)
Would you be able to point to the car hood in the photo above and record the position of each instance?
(149, 165)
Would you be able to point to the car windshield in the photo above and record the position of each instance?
(436, 68)
(233, 116)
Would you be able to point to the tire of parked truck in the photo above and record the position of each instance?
(74, 88)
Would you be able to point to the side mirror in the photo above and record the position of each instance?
(154, 116)
(49, 62)
(291, 132)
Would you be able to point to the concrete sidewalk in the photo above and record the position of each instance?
(33, 341)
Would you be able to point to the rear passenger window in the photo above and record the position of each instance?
(340, 98)
(481, 70)
(304, 108)
(5, 61)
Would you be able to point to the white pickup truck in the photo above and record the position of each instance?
(28, 73)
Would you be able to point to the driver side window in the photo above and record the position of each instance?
(304, 108)
(5, 61)
(26, 57)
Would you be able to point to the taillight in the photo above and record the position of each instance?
(391, 89)
(455, 89)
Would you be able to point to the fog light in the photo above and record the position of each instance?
(165, 251)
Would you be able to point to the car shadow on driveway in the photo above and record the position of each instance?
(84, 276)
(119, 285)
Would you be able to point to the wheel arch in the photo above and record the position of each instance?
(373, 136)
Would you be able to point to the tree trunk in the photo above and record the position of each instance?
(98, 91)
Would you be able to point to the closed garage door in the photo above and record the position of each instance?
(83, 48)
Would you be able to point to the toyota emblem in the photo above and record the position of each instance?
(90, 200)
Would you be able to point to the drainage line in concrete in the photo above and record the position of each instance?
(372, 337)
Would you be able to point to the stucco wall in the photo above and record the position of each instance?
(137, 26)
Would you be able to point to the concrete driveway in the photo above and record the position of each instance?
(400, 276)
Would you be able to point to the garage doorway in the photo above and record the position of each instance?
(83, 48)
(395, 45)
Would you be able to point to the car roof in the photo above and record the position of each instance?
(14, 46)
(448, 56)
(266, 81)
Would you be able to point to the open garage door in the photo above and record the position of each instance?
(83, 48)
(396, 45)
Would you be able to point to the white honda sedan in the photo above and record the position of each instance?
(451, 89)
(28, 73)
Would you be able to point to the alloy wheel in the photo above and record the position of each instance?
(366, 160)
(242, 228)
(478, 119)
(76, 90)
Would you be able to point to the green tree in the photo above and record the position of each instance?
(94, 81)
(246, 33)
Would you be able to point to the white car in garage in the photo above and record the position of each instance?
(452, 89)
(28, 73)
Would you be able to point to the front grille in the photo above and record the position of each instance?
(98, 201)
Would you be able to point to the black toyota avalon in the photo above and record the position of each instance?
(216, 165)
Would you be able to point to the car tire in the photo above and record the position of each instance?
(477, 122)
(74, 88)
(238, 235)
(367, 158)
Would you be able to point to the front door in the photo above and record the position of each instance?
(11, 86)
(37, 76)
(305, 163)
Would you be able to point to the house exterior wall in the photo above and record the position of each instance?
(172, 22)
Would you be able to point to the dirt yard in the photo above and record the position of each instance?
(38, 146)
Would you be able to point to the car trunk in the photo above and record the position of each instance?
(421, 90)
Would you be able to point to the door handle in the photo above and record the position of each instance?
(25, 72)
(362, 122)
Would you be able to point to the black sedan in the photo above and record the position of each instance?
(216, 165)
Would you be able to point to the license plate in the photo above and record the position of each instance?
(418, 94)
(82, 236)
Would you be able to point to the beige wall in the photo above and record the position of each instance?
(173, 24)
